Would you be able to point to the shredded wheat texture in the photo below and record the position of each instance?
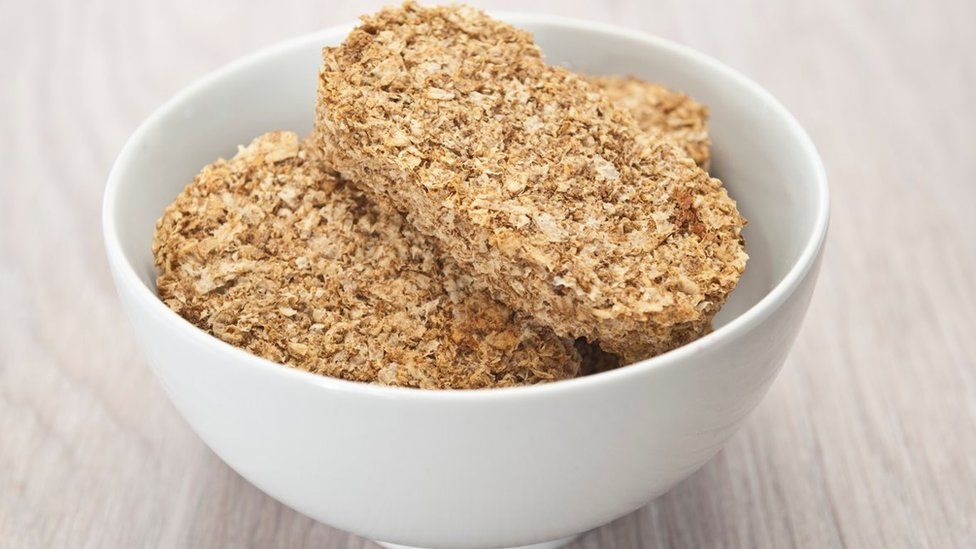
(530, 178)
(661, 113)
(270, 252)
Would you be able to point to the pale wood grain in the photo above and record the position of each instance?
(868, 437)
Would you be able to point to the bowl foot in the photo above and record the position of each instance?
(554, 544)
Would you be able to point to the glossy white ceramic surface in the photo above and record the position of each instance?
(487, 468)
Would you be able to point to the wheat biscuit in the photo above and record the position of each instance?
(272, 253)
(530, 178)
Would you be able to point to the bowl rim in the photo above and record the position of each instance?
(125, 273)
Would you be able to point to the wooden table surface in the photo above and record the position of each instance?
(867, 438)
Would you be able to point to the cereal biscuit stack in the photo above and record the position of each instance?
(464, 216)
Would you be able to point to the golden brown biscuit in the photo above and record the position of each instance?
(272, 253)
(530, 178)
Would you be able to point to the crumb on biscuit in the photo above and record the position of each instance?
(661, 113)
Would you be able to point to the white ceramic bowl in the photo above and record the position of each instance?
(487, 468)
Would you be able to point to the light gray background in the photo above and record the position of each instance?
(867, 438)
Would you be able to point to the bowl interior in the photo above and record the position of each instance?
(759, 151)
